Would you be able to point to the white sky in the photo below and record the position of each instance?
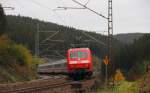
(129, 15)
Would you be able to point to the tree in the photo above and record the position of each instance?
(2, 20)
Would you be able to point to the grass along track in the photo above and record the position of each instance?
(122, 87)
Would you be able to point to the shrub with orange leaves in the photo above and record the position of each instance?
(119, 76)
(4, 40)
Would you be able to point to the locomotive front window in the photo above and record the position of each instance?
(73, 55)
(78, 54)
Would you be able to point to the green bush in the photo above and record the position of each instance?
(11, 53)
(138, 70)
(22, 55)
(16, 60)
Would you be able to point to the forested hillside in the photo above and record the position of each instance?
(128, 38)
(23, 30)
(128, 57)
(134, 58)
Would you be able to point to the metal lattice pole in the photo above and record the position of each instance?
(110, 27)
(110, 32)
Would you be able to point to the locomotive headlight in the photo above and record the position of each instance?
(85, 61)
(73, 62)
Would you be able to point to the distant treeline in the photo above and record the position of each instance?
(24, 29)
(128, 57)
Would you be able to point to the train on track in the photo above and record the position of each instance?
(79, 63)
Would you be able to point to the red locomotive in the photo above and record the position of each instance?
(79, 62)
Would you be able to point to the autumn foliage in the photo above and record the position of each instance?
(119, 76)
(11, 53)
(16, 58)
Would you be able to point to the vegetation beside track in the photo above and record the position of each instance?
(145, 82)
(16, 62)
(122, 87)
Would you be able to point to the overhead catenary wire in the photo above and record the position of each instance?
(27, 10)
(93, 38)
(49, 38)
(85, 7)
(58, 16)
(87, 2)
(89, 9)
(6, 7)
(65, 8)
(46, 7)
(39, 4)
(11, 8)
(53, 10)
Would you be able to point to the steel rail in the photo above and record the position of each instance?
(48, 86)
(38, 88)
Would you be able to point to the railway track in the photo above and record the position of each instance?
(38, 89)
(56, 85)
(83, 86)
(34, 86)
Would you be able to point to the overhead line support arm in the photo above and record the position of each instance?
(89, 9)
